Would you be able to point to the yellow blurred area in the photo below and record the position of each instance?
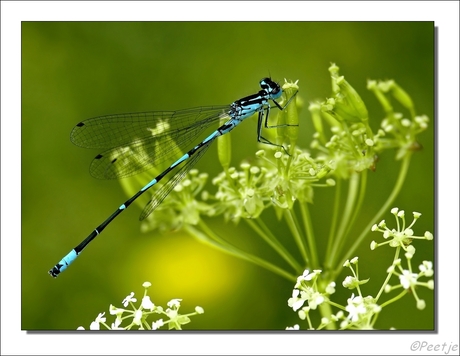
(180, 267)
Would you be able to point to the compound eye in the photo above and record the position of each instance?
(276, 89)
(265, 83)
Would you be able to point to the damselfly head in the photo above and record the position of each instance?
(271, 87)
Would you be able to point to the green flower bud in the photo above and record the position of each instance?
(349, 104)
(292, 116)
(404, 98)
(224, 150)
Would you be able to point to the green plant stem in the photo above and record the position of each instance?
(361, 195)
(335, 217)
(308, 225)
(294, 227)
(262, 230)
(392, 300)
(326, 312)
(209, 237)
(387, 279)
(348, 211)
(396, 189)
(357, 207)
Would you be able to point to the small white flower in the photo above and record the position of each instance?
(116, 324)
(355, 307)
(174, 303)
(137, 317)
(199, 310)
(115, 311)
(295, 327)
(95, 324)
(146, 284)
(100, 318)
(157, 324)
(330, 289)
(408, 279)
(350, 282)
(147, 303)
(409, 255)
(409, 232)
(295, 303)
(172, 314)
(426, 268)
(307, 276)
(302, 277)
(303, 313)
(315, 300)
(128, 299)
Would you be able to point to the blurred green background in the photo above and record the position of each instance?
(75, 70)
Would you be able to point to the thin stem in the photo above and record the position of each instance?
(335, 217)
(263, 231)
(392, 300)
(397, 188)
(209, 237)
(388, 276)
(294, 227)
(361, 195)
(308, 225)
(348, 210)
(357, 208)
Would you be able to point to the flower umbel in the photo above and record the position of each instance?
(401, 131)
(402, 236)
(279, 179)
(306, 290)
(363, 311)
(139, 316)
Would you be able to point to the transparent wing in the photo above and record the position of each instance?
(166, 188)
(137, 141)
